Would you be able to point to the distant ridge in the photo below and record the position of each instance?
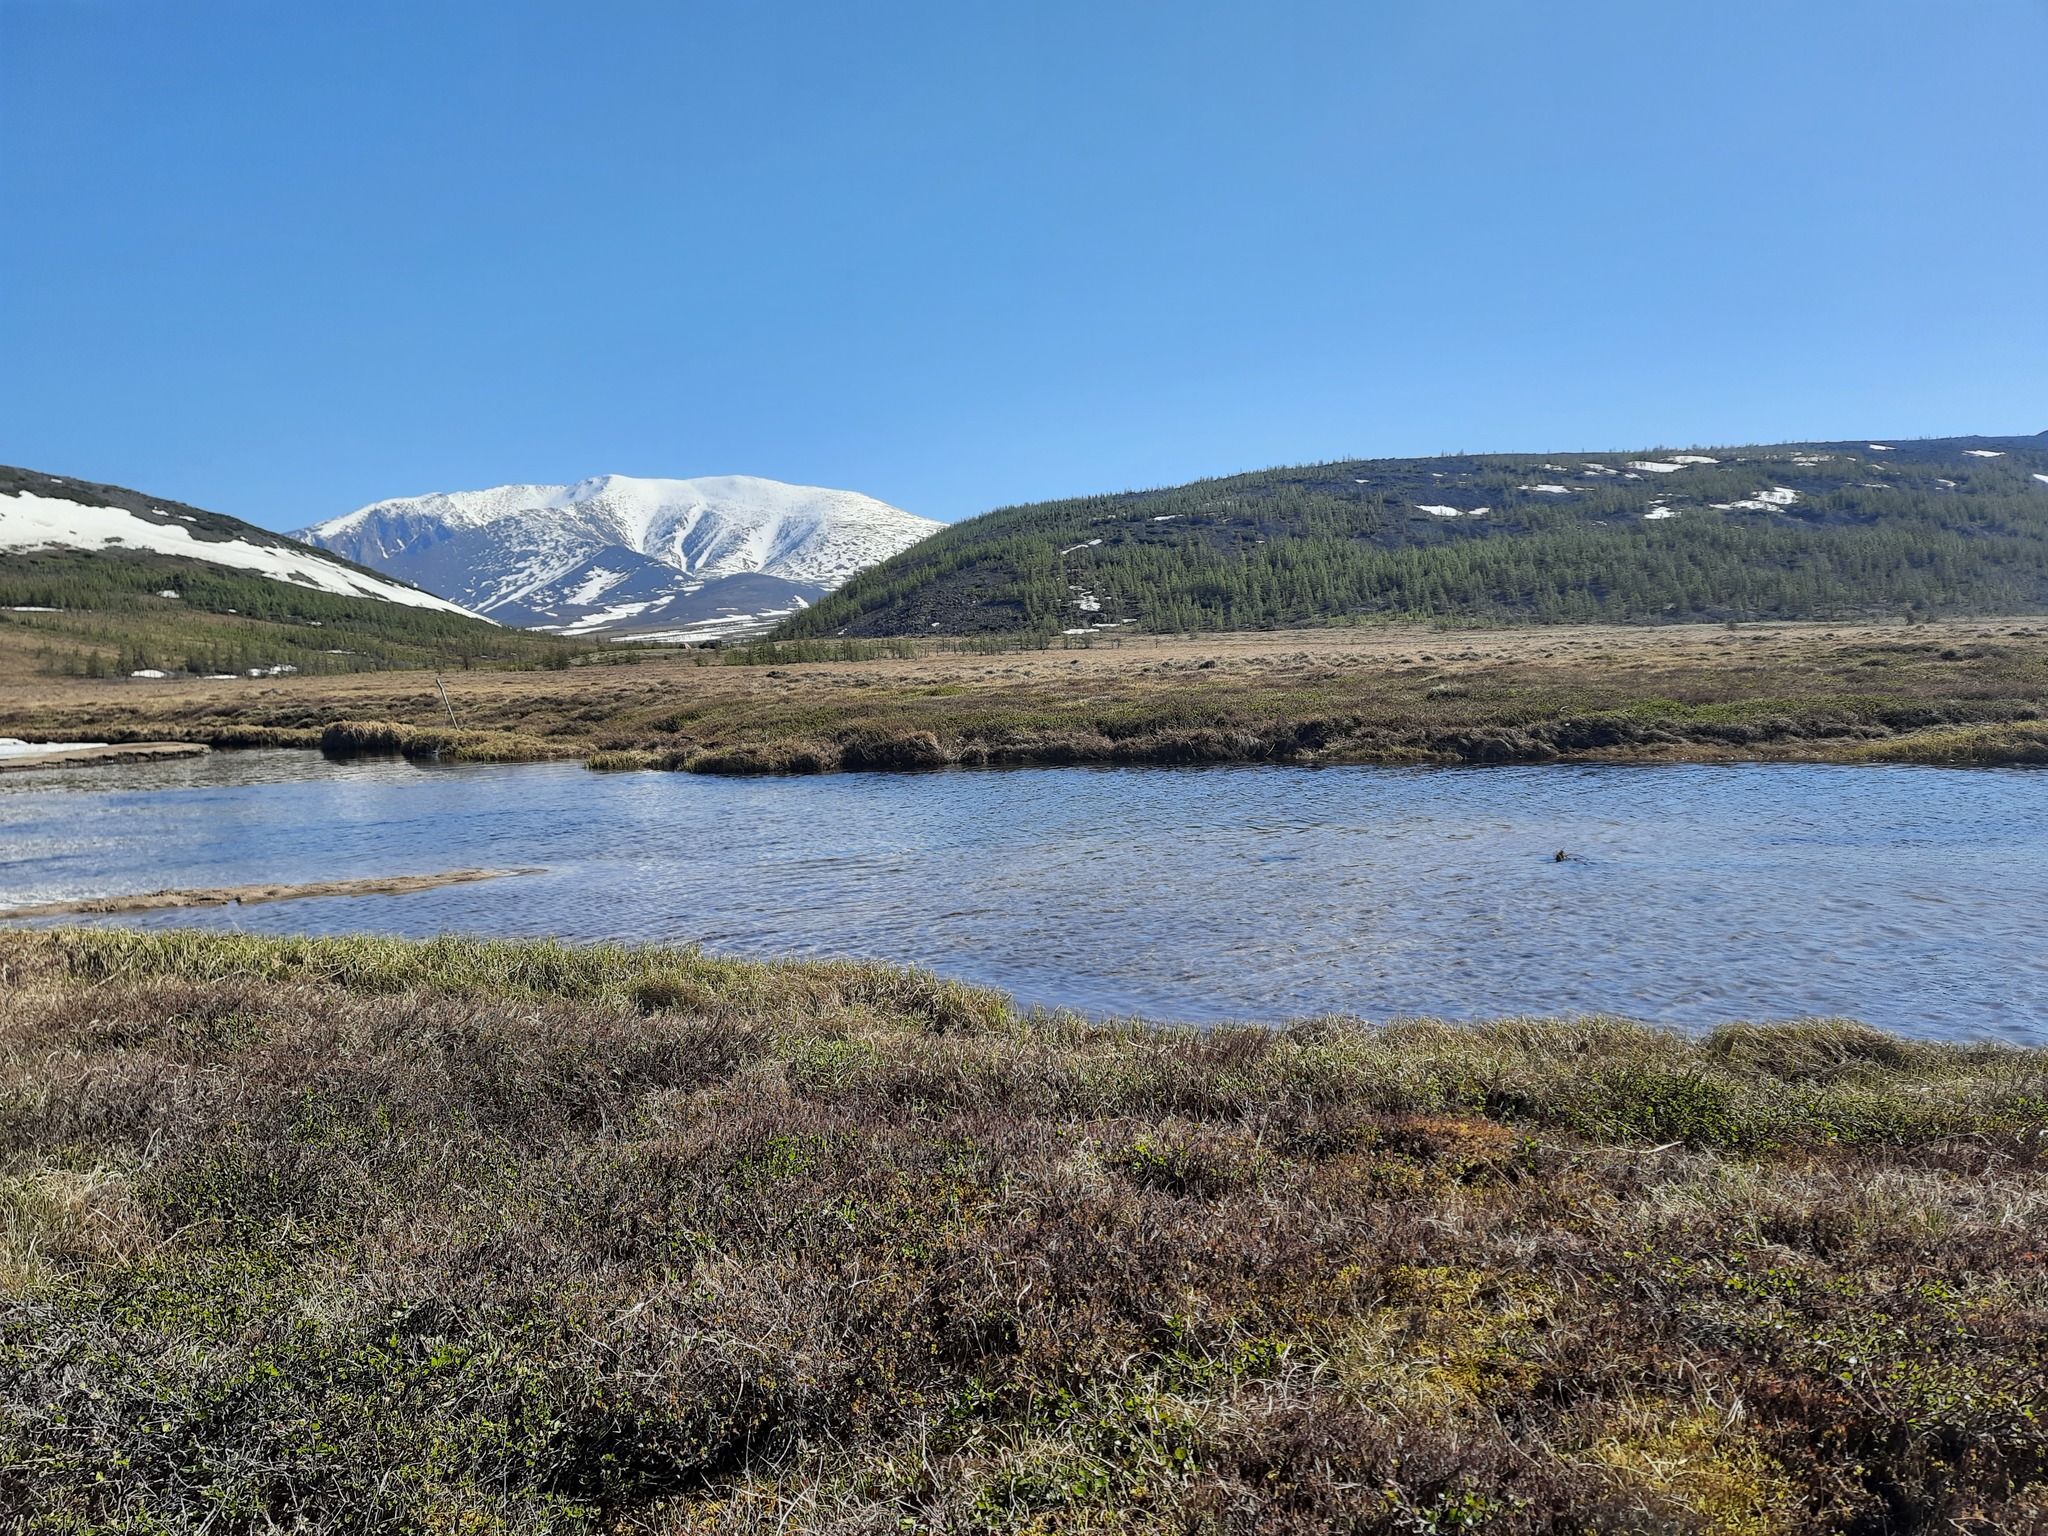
(50, 512)
(1781, 531)
(617, 554)
(99, 580)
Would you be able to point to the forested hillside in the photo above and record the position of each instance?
(1800, 530)
(83, 592)
(80, 613)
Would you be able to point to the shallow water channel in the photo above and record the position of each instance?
(1907, 897)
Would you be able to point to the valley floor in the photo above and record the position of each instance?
(1965, 692)
(466, 1236)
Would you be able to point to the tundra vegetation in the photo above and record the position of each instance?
(462, 1236)
(1957, 691)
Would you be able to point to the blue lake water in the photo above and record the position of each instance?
(1907, 897)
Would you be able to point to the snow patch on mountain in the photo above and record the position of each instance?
(1763, 501)
(32, 521)
(616, 552)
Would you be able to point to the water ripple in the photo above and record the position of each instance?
(1907, 897)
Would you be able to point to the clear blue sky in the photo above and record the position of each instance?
(281, 259)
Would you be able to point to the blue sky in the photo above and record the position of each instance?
(283, 259)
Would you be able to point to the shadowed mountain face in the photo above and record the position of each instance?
(615, 554)
(622, 594)
(1781, 531)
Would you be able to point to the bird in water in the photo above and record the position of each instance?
(1562, 856)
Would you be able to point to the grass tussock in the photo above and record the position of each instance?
(1987, 746)
(387, 738)
(362, 1234)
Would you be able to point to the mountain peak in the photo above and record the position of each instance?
(613, 551)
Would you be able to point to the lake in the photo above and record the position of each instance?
(1911, 898)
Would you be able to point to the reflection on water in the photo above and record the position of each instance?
(1907, 897)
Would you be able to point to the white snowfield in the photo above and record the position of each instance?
(522, 538)
(29, 521)
(2042, 478)
(1983, 453)
(1454, 511)
(1762, 501)
(14, 746)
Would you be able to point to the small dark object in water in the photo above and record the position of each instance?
(1561, 857)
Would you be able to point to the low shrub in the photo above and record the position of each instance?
(365, 1234)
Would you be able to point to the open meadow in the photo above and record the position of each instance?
(1956, 691)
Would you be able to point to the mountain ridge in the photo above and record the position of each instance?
(100, 580)
(1788, 530)
(41, 511)
(619, 553)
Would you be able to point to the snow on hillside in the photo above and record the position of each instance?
(617, 552)
(32, 521)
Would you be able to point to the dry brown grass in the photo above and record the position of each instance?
(367, 1235)
(1963, 692)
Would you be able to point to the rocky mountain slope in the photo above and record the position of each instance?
(616, 554)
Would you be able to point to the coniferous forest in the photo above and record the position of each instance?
(112, 611)
(1790, 531)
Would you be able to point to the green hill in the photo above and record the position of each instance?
(1792, 530)
(101, 611)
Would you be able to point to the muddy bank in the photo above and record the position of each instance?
(252, 895)
(1920, 735)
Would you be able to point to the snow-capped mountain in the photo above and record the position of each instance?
(616, 553)
(40, 512)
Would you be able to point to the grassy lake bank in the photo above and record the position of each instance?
(367, 1234)
(1960, 692)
